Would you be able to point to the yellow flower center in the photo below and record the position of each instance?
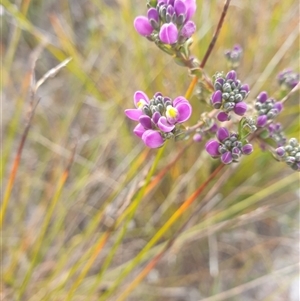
(171, 112)
(141, 103)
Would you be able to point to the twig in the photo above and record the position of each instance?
(216, 34)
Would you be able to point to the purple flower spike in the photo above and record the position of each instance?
(212, 147)
(262, 97)
(280, 151)
(139, 130)
(261, 120)
(152, 139)
(143, 26)
(164, 125)
(168, 33)
(278, 106)
(145, 121)
(223, 116)
(133, 114)
(231, 75)
(222, 134)
(184, 111)
(188, 29)
(226, 158)
(197, 137)
(240, 108)
(216, 99)
(247, 149)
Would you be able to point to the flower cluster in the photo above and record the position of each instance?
(159, 117)
(275, 132)
(228, 146)
(234, 55)
(229, 95)
(290, 154)
(288, 79)
(267, 108)
(167, 21)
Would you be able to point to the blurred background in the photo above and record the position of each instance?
(241, 236)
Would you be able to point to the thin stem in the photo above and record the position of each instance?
(159, 234)
(216, 34)
(210, 48)
(15, 168)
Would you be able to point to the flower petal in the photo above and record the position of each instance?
(133, 114)
(261, 120)
(226, 158)
(279, 106)
(168, 33)
(145, 121)
(216, 99)
(153, 14)
(212, 147)
(140, 98)
(262, 96)
(139, 130)
(188, 29)
(152, 139)
(155, 117)
(184, 111)
(191, 8)
(143, 26)
(222, 134)
(223, 116)
(178, 100)
(231, 75)
(164, 125)
(180, 7)
(247, 149)
(240, 108)
(197, 137)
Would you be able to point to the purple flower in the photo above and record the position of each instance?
(152, 139)
(267, 108)
(228, 146)
(276, 133)
(197, 137)
(158, 117)
(290, 154)
(262, 121)
(212, 147)
(168, 20)
(234, 55)
(223, 116)
(240, 108)
(168, 33)
(188, 29)
(288, 79)
(140, 100)
(143, 26)
(229, 95)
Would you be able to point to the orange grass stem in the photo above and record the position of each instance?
(15, 167)
(187, 203)
(44, 227)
